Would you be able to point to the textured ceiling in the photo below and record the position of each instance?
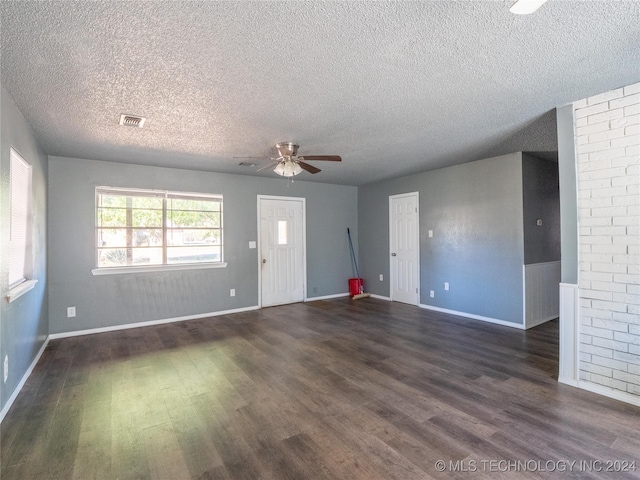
(392, 87)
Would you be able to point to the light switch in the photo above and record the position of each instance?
(252, 244)
(430, 233)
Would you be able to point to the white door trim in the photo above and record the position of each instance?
(304, 242)
(417, 240)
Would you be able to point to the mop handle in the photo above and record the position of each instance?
(353, 255)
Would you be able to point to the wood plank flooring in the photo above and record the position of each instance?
(340, 389)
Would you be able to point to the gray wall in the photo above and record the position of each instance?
(110, 300)
(475, 212)
(23, 323)
(568, 195)
(541, 200)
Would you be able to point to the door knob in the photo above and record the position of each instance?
(264, 260)
(393, 254)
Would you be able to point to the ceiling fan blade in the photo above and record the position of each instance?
(326, 158)
(267, 167)
(307, 167)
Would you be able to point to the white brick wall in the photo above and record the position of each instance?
(608, 151)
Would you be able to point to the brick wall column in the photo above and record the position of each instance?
(608, 150)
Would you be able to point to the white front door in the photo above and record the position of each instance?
(282, 244)
(404, 244)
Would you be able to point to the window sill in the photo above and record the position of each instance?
(18, 291)
(156, 268)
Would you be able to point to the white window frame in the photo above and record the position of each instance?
(164, 194)
(20, 227)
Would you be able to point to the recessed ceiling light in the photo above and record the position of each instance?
(132, 120)
(525, 7)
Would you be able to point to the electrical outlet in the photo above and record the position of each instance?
(71, 312)
(432, 294)
(446, 285)
(381, 278)
(232, 292)
(430, 233)
(6, 368)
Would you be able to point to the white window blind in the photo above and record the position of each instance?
(20, 227)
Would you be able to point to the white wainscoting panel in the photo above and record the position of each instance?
(541, 293)
(569, 331)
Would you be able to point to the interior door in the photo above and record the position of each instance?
(282, 250)
(404, 248)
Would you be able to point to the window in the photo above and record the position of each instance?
(282, 232)
(20, 221)
(139, 228)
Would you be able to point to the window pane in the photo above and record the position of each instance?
(112, 217)
(146, 218)
(122, 257)
(193, 254)
(112, 237)
(117, 237)
(112, 257)
(112, 201)
(186, 237)
(146, 202)
(147, 256)
(20, 219)
(147, 237)
(282, 232)
(193, 204)
(117, 217)
(182, 218)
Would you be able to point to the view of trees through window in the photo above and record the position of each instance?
(136, 228)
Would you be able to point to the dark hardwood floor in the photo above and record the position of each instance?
(336, 389)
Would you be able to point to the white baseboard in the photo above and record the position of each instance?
(540, 321)
(326, 297)
(26, 375)
(473, 316)
(380, 297)
(609, 392)
(126, 326)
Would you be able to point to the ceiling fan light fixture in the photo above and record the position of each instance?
(525, 7)
(279, 169)
(297, 169)
(288, 168)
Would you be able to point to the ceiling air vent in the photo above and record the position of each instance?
(132, 120)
